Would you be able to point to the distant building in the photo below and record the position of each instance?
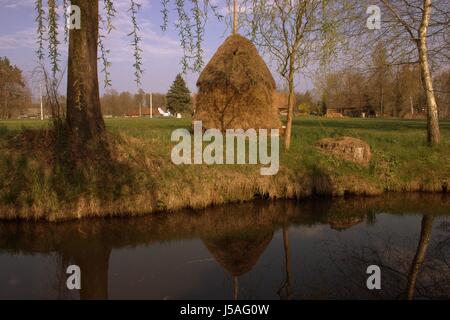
(30, 113)
(280, 100)
(333, 113)
(355, 112)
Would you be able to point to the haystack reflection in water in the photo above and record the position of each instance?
(316, 249)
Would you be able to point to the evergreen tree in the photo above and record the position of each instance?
(13, 90)
(179, 96)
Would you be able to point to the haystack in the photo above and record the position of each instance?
(235, 89)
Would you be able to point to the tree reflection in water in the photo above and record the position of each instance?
(406, 273)
(238, 236)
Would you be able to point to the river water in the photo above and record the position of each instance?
(309, 249)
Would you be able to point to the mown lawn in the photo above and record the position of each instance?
(146, 180)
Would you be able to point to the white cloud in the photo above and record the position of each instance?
(16, 3)
(153, 43)
(18, 40)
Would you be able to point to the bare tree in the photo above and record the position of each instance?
(289, 32)
(417, 30)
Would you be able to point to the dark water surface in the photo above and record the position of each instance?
(315, 249)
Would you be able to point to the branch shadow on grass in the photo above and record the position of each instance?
(44, 165)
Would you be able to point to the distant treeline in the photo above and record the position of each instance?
(124, 103)
(382, 88)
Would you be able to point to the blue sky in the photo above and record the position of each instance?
(161, 50)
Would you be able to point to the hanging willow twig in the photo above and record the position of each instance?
(185, 34)
(110, 14)
(135, 42)
(199, 31)
(190, 28)
(214, 9)
(165, 13)
(53, 41)
(66, 18)
(40, 30)
(104, 53)
(190, 33)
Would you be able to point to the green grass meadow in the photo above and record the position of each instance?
(145, 180)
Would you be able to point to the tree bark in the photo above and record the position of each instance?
(84, 117)
(433, 134)
(290, 115)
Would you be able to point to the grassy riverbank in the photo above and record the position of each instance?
(140, 177)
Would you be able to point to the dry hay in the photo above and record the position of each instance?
(235, 90)
(333, 114)
(347, 148)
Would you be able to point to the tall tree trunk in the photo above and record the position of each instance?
(381, 100)
(83, 99)
(5, 110)
(425, 235)
(433, 134)
(290, 115)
